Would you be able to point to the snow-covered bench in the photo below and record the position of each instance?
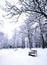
(33, 53)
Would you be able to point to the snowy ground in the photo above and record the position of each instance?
(20, 57)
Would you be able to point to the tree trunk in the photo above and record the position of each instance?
(30, 41)
(43, 43)
(23, 42)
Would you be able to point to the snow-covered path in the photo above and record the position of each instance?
(20, 57)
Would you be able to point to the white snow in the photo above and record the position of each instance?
(21, 57)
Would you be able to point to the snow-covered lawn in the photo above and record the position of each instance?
(20, 57)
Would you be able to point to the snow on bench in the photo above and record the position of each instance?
(33, 53)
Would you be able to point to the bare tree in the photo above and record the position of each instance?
(3, 40)
(27, 31)
(41, 32)
(38, 6)
(28, 6)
